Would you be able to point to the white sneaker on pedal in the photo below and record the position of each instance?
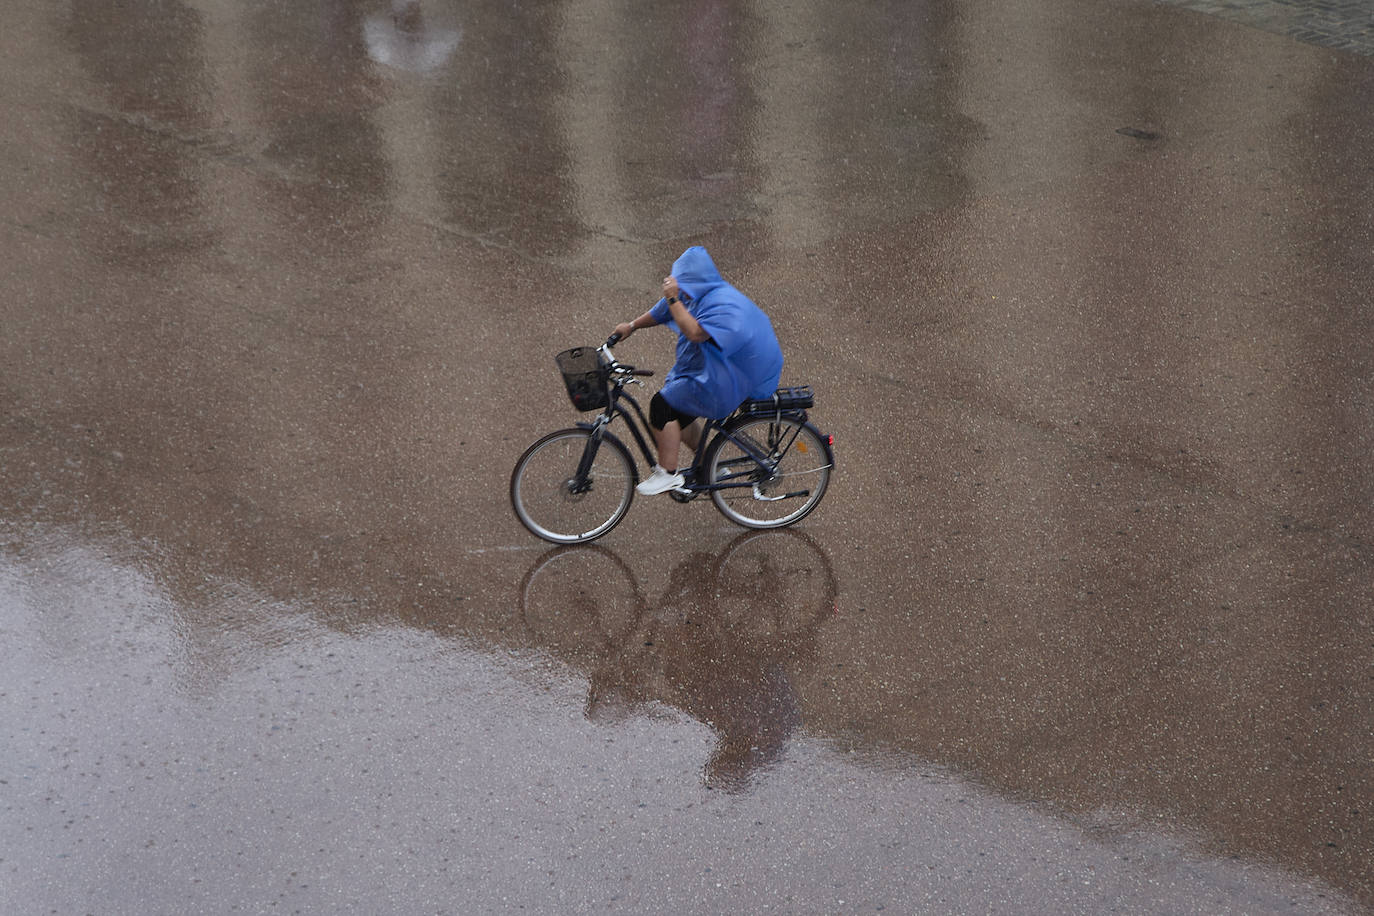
(660, 481)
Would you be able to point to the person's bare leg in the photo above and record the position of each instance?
(691, 436)
(669, 438)
(691, 433)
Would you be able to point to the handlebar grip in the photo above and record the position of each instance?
(613, 340)
(643, 372)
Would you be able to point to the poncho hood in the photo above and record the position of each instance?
(696, 273)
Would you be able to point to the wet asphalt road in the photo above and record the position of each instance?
(1084, 624)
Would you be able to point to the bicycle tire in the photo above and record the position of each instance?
(543, 496)
(786, 496)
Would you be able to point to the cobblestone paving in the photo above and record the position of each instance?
(1347, 25)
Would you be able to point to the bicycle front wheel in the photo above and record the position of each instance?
(774, 471)
(554, 504)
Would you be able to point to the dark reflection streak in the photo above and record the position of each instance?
(1342, 393)
(146, 59)
(717, 644)
(320, 101)
(503, 173)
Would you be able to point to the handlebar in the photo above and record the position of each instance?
(631, 370)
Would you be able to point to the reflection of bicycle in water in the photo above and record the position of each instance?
(765, 466)
(716, 644)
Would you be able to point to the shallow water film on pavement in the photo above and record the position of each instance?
(1084, 622)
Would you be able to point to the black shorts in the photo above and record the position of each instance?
(660, 412)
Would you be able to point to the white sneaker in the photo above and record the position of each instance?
(660, 481)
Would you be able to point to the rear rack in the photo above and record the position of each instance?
(796, 398)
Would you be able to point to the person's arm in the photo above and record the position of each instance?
(626, 328)
(688, 325)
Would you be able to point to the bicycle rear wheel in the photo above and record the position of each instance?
(744, 453)
(550, 501)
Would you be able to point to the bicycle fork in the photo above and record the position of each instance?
(582, 480)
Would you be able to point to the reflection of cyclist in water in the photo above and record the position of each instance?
(716, 644)
(736, 685)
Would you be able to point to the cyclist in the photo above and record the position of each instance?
(726, 352)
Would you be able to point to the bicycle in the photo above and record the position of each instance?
(765, 465)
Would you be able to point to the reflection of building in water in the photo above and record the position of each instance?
(1102, 335)
(616, 100)
(750, 122)
(1150, 400)
(844, 139)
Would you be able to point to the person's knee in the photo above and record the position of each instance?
(660, 412)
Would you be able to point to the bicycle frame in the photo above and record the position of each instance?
(616, 409)
(710, 430)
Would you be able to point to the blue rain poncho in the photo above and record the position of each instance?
(741, 360)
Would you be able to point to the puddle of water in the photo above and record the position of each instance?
(156, 763)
